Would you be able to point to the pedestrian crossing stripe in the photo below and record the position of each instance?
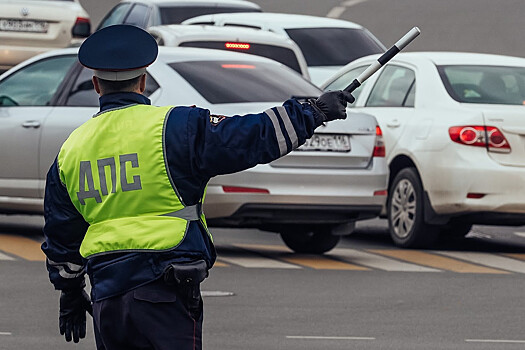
(14, 247)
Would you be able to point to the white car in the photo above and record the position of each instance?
(30, 27)
(148, 13)
(310, 196)
(245, 40)
(327, 43)
(454, 132)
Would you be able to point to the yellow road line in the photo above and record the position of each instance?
(220, 264)
(520, 256)
(317, 262)
(21, 246)
(437, 261)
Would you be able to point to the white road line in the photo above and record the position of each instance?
(376, 261)
(257, 262)
(337, 11)
(494, 341)
(6, 333)
(327, 338)
(519, 234)
(487, 259)
(5, 257)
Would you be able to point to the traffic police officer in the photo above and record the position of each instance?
(123, 199)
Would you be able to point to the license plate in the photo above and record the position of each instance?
(327, 143)
(17, 25)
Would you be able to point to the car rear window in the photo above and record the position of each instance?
(177, 14)
(334, 46)
(243, 81)
(484, 84)
(276, 53)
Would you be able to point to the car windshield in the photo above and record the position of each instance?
(485, 84)
(242, 81)
(277, 53)
(175, 15)
(334, 46)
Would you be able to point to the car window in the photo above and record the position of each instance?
(485, 84)
(115, 16)
(392, 88)
(138, 16)
(178, 14)
(344, 80)
(277, 53)
(83, 93)
(334, 46)
(234, 81)
(36, 84)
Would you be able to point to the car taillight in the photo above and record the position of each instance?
(489, 137)
(379, 147)
(238, 66)
(235, 189)
(81, 28)
(237, 46)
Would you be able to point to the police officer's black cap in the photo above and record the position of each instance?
(118, 52)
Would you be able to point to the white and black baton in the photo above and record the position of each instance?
(381, 61)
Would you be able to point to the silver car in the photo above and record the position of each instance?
(311, 196)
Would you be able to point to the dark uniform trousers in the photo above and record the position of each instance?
(157, 316)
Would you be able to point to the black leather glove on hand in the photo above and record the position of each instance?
(332, 104)
(72, 320)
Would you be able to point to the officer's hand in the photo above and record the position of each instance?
(332, 104)
(72, 318)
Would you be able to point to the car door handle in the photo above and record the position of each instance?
(31, 124)
(393, 123)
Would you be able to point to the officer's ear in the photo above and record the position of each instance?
(96, 85)
(142, 85)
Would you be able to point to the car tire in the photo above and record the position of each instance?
(455, 229)
(405, 208)
(310, 240)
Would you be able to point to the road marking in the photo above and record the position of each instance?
(317, 262)
(6, 333)
(337, 11)
(520, 256)
(249, 260)
(5, 257)
(23, 247)
(327, 338)
(519, 234)
(491, 260)
(220, 264)
(436, 261)
(494, 341)
(377, 261)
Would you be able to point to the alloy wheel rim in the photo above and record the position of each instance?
(403, 208)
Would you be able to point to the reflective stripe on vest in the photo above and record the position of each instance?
(115, 171)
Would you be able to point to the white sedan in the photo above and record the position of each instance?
(310, 196)
(454, 130)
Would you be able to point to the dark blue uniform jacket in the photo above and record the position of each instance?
(198, 147)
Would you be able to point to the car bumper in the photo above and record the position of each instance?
(296, 195)
(499, 188)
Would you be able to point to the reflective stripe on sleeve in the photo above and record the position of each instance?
(278, 132)
(190, 213)
(289, 126)
(76, 270)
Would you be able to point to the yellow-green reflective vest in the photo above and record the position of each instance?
(115, 171)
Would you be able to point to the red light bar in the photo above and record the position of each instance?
(235, 189)
(381, 193)
(237, 46)
(237, 66)
(475, 195)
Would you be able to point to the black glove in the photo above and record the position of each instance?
(72, 318)
(332, 104)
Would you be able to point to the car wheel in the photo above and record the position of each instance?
(310, 240)
(405, 212)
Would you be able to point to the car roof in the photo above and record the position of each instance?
(207, 32)
(454, 58)
(220, 3)
(282, 20)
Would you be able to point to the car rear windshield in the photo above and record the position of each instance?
(276, 53)
(334, 46)
(177, 14)
(243, 81)
(485, 84)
